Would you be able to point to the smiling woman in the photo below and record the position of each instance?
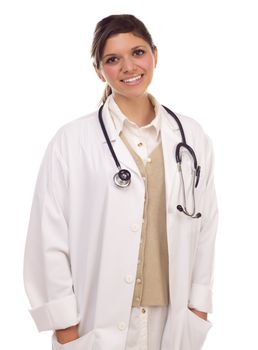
(127, 61)
(127, 66)
(120, 265)
(125, 56)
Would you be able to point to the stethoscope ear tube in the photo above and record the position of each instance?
(197, 174)
(196, 216)
(189, 149)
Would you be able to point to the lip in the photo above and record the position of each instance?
(134, 82)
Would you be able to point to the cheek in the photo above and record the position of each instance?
(110, 73)
(147, 64)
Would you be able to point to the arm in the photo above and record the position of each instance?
(202, 277)
(47, 273)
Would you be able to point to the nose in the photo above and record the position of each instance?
(128, 65)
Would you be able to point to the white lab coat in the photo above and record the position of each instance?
(84, 235)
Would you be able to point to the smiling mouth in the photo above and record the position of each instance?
(133, 79)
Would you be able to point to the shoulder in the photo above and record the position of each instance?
(191, 125)
(195, 135)
(197, 138)
(78, 124)
(72, 137)
(76, 130)
(193, 128)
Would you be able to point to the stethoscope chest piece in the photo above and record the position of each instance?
(122, 178)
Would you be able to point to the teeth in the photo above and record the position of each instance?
(132, 79)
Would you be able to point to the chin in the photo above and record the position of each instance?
(134, 93)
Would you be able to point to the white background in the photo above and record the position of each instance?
(207, 69)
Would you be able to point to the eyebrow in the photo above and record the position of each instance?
(132, 49)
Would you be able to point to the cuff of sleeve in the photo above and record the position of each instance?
(57, 314)
(201, 298)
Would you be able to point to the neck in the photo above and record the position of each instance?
(138, 109)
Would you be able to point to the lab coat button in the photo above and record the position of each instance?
(122, 326)
(129, 278)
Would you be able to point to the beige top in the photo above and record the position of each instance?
(152, 281)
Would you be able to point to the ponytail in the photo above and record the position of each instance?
(107, 92)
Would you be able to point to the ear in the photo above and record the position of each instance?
(99, 74)
(155, 56)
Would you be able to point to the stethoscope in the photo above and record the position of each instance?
(122, 178)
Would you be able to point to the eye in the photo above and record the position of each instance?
(139, 52)
(111, 60)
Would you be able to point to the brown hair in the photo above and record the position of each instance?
(112, 25)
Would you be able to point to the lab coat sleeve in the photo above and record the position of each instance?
(47, 273)
(202, 277)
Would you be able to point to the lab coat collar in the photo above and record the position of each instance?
(120, 119)
(170, 136)
(113, 133)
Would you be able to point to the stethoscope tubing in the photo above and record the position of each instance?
(107, 138)
(122, 179)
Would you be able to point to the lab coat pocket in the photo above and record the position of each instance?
(195, 331)
(85, 342)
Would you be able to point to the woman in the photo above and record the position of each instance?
(120, 246)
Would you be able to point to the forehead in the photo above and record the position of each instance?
(123, 42)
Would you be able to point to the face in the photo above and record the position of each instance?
(127, 65)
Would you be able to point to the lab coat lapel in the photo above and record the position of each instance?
(123, 154)
(170, 135)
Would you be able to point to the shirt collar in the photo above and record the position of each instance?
(120, 119)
